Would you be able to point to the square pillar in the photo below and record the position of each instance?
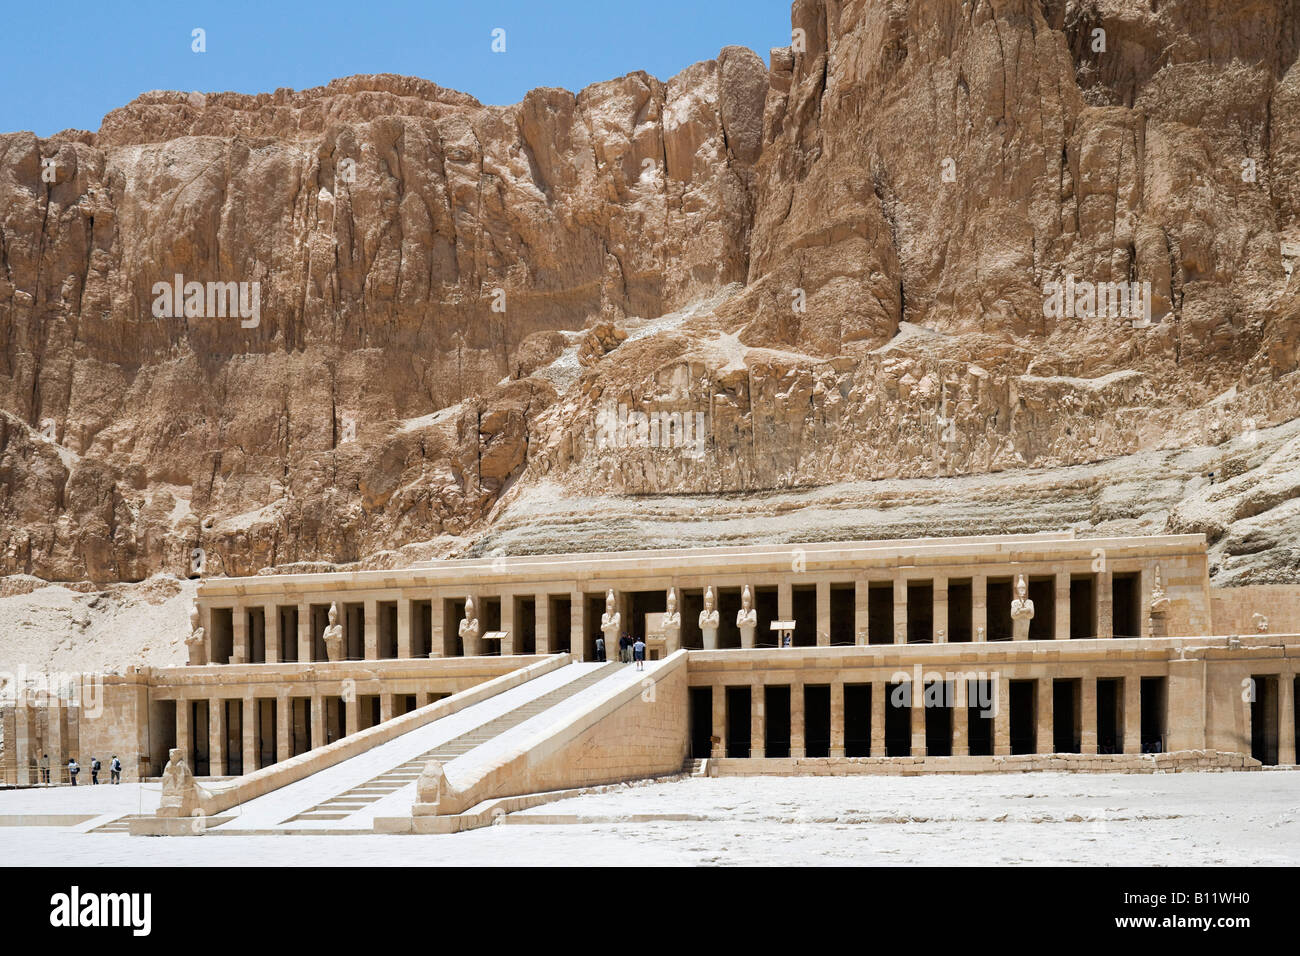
(796, 719)
(1044, 739)
(823, 614)
(878, 694)
(508, 624)
(979, 607)
(248, 728)
(217, 737)
(423, 699)
(577, 636)
(370, 635)
(239, 621)
(785, 600)
(436, 625)
(385, 708)
(317, 720)
(940, 612)
(404, 628)
(1103, 600)
(757, 721)
(1286, 718)
(918, 718)
(352, 715)
(1002, 718)
(900, 610)
(304, 634)
(23, 755)
(837, 718)
(719, 731)
(1132, 714)
(283, 727)
(1062, 606)
(861, 615)
(271, 632)
(960, 719)
(183, 742)
(1088, 715)
(542, 622)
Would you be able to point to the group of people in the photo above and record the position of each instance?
(629, 649)
(74, 768)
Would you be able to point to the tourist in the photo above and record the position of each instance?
(115, 770)
(45, 768)
(73, 770)
(638, 652)
(600, 649)
(94, 771)
(625, 649)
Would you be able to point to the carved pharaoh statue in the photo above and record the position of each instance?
(1022, 610)
(709, 621)
(333, 635)
(197, 642)
(747, 618)
(611, 623)
(469, 629)
(672, 624)
(180, 791)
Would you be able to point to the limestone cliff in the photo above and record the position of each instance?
(837, 260)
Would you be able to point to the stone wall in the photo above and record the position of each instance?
(1233, 609)
(1175, 762)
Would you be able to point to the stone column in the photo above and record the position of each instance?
(508, 624)
(960, 719)
(1045, 740)
(784, 601)
(239, 622)
(317, 720)
(719, 732)
(404, 628)
(861, 611)
(1062, 605)
(900, 609)
(304, 633)
(283, 727)
(248, 728)
(941, 610)
(823, 614)
(577, 635)
(796, 719)
(837, 719)
(352, 715)
(1132, 714)
(979, 609)
(1088, 715)
(370, 634)
(437, 625)
(1104, 600)
(918, 718)
(271, 632)
(542, 622)
(879, 694)
(217, 737)
(1002, 717)
(757, 721)
(385, 708)
(183, 742)
(1286, 755)
(423, 699)
(23, 756)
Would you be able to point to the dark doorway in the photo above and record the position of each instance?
(1264, 720)
(701, 722)
(1083, 608)
(256, 623)
(880, 613)
(938, 719)
(692, 603)
(1042, 626)
(1066, 738)
(728, 605)
(525, 636)
(561, 624)
(223, 635)
(234, 737)
(767, 606)
(265, 713)
(199, 738)
(980, 703)
(421, 628)
(1023, 713)
(999, 609)
(1153, 715)
(816, 720)
(387, 630)
(648, 602)
(857, 720)
(1127, 607)
(898, 720)
(288, 633)
(776, 734)
(960, 620)
(1110, 734)
(354, 631)
(804, 604)
(738, 721)
(920, 612)
(843, 615)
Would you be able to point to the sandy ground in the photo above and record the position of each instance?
(1114, 819)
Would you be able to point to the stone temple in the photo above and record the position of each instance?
(435, 698)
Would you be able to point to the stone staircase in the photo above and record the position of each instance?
(696, 768)
(359, 797)
(114, 826)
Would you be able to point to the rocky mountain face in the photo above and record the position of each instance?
(749, 289)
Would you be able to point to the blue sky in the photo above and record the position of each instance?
(68, 64)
